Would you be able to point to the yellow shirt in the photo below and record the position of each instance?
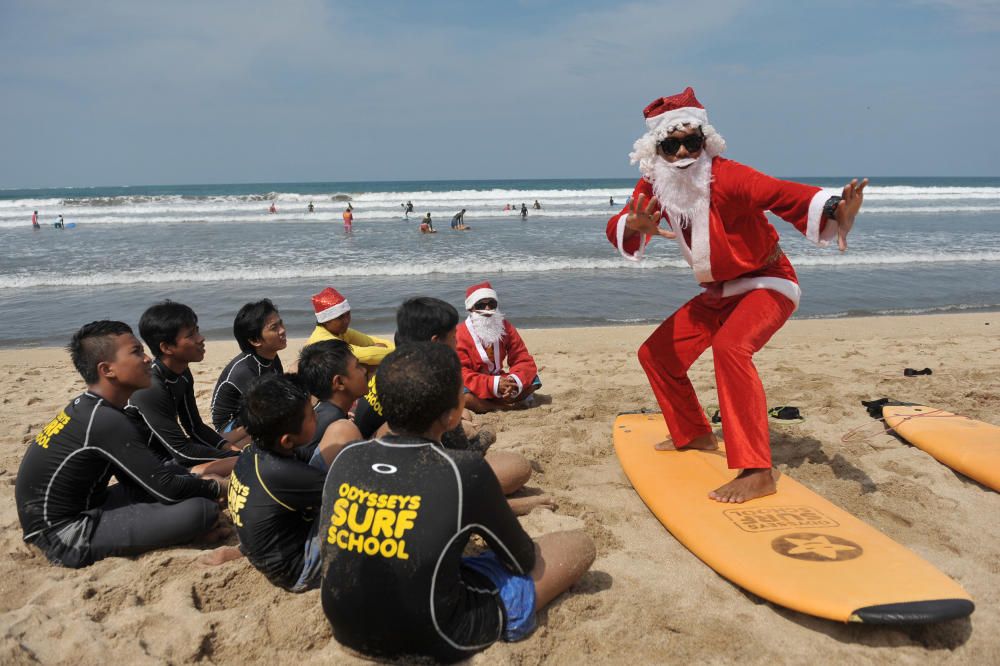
(363, 346)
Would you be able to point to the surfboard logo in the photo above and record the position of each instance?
(766, 519)
(814, 547)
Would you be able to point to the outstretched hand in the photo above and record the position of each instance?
(645, 217)
(848, 209)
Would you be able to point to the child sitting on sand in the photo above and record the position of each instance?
(64, 503)
(333, 322)
(334, 376)
(260, 332)
(398, 513)
(427, 319)
(274, 493)
(168, 407)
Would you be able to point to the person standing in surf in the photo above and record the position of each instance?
(714, 209)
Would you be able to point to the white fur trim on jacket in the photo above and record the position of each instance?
(701, 248)
(496, 386)
(688, 115)
(620, 236)
(816, 217)
(333, 311)
(786, 288)
(478, 295)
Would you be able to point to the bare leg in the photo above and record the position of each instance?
(512, 469)
(561, 559)
(220, 555)
(702, 443)
(522, 506)
(748, 484)
(222, 467)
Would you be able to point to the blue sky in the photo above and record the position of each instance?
(133, 92)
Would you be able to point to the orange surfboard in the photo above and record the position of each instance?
(793, 548)
(963, 444)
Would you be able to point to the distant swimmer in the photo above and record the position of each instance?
(407, 209)
(426, 226)
(506, 207)
(34, 220)
(536, 205)
(60, 223)
(524, 212)
(273, 208)
(458, 221)
(348, 219)
(611, 201)
(311, 207)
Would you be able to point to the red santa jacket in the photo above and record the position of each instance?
(735, 247)
(482, 367)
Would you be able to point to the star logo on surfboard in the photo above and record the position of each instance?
(816, 547)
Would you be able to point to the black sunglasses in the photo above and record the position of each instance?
(693, 143)
(485, 305)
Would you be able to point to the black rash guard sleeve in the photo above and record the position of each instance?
(134, 462)
(226, 404)
(192, 421)
(490, 516)
(155, 405)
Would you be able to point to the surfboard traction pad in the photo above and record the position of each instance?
(903, 613)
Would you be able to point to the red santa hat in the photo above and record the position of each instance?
(329, 304)
(665, 115)
(674, 111)
(478, 292)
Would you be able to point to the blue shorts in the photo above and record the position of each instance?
(229, 427)
(311, 563)
(318, 462)
(517, 593)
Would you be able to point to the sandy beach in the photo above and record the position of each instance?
(646, 599)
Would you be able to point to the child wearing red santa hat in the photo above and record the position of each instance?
(333, 322)
(487, 344)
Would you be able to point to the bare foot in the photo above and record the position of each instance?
(522, 506)
(221, 555)
(706, 442)
(748, 484)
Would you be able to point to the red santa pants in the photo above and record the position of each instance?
(736, 328)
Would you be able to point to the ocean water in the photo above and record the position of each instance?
(921, 245)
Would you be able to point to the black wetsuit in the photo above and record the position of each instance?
(233, 383)
(274, 500)
(397, 514)
(67, 509)
(170, 413)
(368, 417)
(327, 413)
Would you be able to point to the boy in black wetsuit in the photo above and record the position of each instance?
(427, 319)
(334, 376)
(260, 332)
(63, 500)
(398, 512)
(168, 407)
(274, 494)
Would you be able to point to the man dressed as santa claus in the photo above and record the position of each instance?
(714, 211)
(486, 340)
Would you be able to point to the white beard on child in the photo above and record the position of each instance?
(683, 193)
(489, 328)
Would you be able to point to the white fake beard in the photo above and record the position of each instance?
(683, 193)
(488, 328)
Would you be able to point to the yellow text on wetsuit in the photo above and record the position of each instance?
(372, 396)
(238, 493)
(372, 523)
(52, 429)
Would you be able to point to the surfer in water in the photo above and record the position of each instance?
(714, 209)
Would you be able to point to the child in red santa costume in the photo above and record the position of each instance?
(714, 210)
(485, 340)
